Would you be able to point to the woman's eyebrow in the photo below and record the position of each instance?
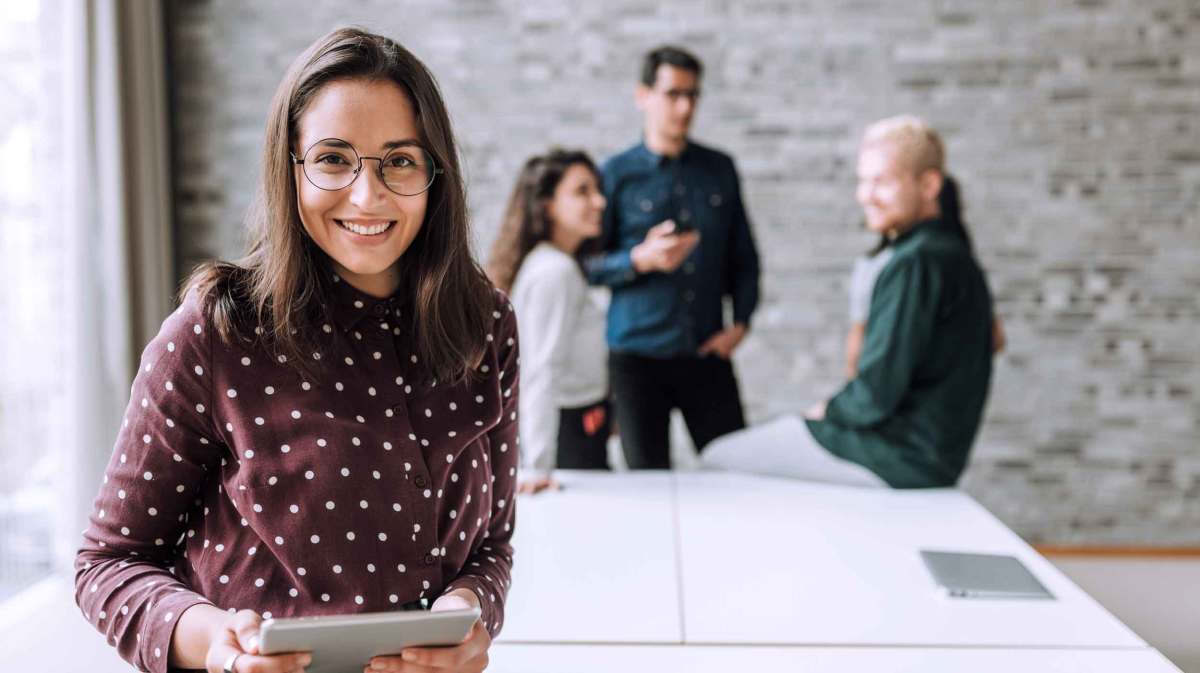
(407, 142)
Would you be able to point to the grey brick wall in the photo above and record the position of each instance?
(1074, 128)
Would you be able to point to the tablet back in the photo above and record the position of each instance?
(983, 575)
(347, 642)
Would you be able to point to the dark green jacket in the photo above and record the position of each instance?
(913, 411)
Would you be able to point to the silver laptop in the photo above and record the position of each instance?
(965, 575)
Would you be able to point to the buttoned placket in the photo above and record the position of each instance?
(415, 492)
(686, 279)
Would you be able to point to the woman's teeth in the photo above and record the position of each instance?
(365, 231)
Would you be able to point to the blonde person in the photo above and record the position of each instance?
(555, 207)
(912, 412)
(868, 266)
(909, 416)
(327, 425)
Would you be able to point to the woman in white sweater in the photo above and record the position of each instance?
(564, 417)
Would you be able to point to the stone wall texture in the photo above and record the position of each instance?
(1073, 127)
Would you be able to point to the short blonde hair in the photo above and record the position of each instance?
(918, 143)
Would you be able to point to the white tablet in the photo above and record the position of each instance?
(347, 642)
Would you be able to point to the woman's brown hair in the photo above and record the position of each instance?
(527, 219)
(276, 293)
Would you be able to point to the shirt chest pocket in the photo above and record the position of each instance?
(643, 208)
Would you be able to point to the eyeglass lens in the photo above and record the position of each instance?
(333, 164)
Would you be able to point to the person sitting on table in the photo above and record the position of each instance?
(914, 408)
(867, 268)
(328, 425)
(556, 206)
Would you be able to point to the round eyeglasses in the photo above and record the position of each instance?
(332, 164)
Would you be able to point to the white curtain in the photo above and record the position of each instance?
(116, 199)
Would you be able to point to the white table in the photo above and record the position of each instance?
(705, 571)
(773, 561)
(596, 562)
(510, 658)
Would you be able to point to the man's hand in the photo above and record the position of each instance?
(999, 339)
(663, 249)
(724, 342)
(816, 412)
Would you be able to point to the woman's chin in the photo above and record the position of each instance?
(361, 266)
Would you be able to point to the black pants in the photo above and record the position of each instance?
(645, 390)
(583, 436)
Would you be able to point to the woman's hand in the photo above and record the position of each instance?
(469, 656)
(238, 635)
(537, 484)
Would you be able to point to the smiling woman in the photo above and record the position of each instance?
(359, 218)
(555, 207)
(356, 349)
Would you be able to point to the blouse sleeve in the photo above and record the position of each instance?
(488, 570)
(124, 572)
(549, 312)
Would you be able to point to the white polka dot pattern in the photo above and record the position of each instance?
(364, 488)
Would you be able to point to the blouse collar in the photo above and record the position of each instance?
(350, 306)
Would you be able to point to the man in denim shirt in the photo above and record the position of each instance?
(675, 243)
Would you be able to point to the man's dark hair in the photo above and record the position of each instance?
(668, 55)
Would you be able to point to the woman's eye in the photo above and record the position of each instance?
(400, 161)
(332, 160)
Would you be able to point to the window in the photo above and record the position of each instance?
(32, 341)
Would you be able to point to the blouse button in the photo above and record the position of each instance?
(420, 482)
(380, 310)
(429, 560)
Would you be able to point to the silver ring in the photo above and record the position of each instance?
(231, 662)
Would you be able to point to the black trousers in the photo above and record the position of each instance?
(583, 436)
(645, 390)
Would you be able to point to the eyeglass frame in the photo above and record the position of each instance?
(378, 171)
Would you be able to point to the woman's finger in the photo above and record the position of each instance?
(246, 624)
(396, 664)
(476, 644)
(276, 663)
(240, 637)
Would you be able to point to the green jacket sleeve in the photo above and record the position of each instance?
(899, 329)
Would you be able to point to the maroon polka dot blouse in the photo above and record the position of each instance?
(234, 481)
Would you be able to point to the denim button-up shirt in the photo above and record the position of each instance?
(670, 314)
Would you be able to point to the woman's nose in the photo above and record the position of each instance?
(368, 186)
